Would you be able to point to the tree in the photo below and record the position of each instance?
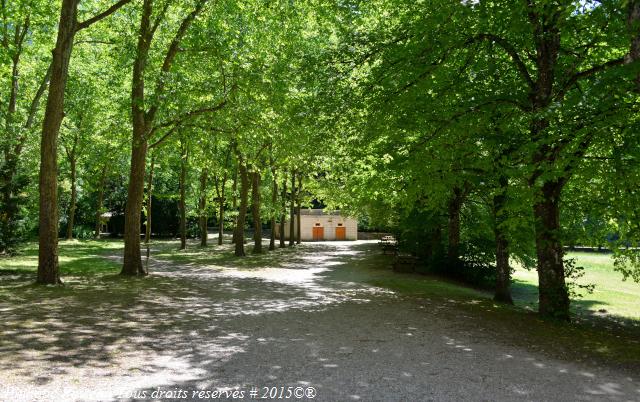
(48, 269)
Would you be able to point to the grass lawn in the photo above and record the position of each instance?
(612, 296)
(77, 258)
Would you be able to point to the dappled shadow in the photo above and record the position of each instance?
(294, 317)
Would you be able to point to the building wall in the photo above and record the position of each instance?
(329, 223)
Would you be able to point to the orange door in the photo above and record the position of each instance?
(341, 233)
(318, 233)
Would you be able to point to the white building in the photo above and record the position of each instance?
(320, 225)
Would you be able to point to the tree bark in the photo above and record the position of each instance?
(274, 200)
(299, 211)
(203, 208)
(132, 257)
(234, 205)
(257, 221)
(503, 271)
(103, 178)
(183, 204)
(74, 197)
(454, 208)
(292, 209)
(48, 268)
(553, 294)
(633, 22)
(242, 213)
(221, 197)
(149, 212)
(143, 122)
(283, 211)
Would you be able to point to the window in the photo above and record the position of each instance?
(339, 224)
(317, 224)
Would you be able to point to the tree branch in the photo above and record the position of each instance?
(587, 73)
(172, 51)
(511, 51)
(185, 116)
(104, 14)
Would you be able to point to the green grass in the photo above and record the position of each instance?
(77, 258)
(612, 296)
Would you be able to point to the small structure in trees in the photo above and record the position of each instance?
(321, 225)
(105, 222)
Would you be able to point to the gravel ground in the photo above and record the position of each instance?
(307, 322)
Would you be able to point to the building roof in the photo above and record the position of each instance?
(319, 212)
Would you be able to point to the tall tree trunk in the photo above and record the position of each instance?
(221, 196)
(74, 197)
(143, 121)
(553, 294)
(183, 204)
(283, 211)
(242, 213)
(454, 208)
(299, 210)
(292, 209)
(274, 200)
(132, 258)
(48, 269)
(257, 221)
(203, 208)
(10, 168)
(149, 212)
(234, 205)
(633, 22)
(503, 271)
(103, 178)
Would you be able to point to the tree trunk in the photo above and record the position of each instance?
(10, 168)
(9, 203)
(203, 208)
(299, 211)
(553, 294)
(48, 269)
(257, 221)
(221, 214)
(274, 200)
(292, 210)
(503, 271)
(242, 213)
(132, 259)
(283, 211)
(454, 208)
(149, 212)
(183, 206)
(74, 197)
(234, 189)
(103, 178)
(633, 22)
(142, 122)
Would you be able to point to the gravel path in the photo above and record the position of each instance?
(305, 321)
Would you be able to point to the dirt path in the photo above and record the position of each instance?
(304, 319)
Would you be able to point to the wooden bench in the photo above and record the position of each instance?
(389, 245)
(405, 263)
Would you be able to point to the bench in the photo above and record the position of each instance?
(405, 263)
(389, 245)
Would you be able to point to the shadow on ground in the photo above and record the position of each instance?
(300, 318)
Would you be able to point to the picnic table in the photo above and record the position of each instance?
(389, 245)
